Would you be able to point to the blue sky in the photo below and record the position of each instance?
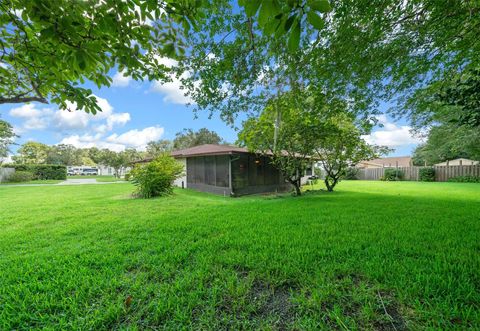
(137, 112)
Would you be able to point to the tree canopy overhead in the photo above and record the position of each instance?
(49, 48)
(367, 51)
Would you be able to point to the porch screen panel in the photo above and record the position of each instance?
(199, 170)
(191, 170)
(252, 171)
(240, 171)
(271, 173)
(222, 164)
(210, 170)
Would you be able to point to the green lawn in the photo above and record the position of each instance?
(99, 178)
(373, 255)
(46, 181)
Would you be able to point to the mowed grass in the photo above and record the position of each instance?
(99, 178)
(373, 255)
(44, 181)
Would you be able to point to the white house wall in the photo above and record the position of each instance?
(178, 182)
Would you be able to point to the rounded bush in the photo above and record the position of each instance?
(20, 176)
(351, 173)
(465, 179)
(392, 174)
(156, 177)
(426, 174)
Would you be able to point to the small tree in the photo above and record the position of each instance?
(156, 178)
(6, 138)
(32, 153)
(116, 160)
(284, 132)
(341, 147)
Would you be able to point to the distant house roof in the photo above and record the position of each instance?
(459, 161)
(208, 149)
(400, 161)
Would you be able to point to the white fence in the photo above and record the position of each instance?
(5, 173)
(442, 173)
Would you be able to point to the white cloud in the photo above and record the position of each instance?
(116, 142)
(391, 135)
(120, 80)
(35, 118)
(137, 138)
(173, 90)
(87, 141)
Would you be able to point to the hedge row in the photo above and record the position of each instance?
(41, 171)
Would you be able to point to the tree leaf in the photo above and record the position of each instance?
(251, 7)
(294, 39)
(322, 6)
(315, 20)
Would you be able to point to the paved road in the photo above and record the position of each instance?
(76, 181)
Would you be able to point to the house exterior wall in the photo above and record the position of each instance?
(182, 181)
(252, 175)
(236, 174)
(209, 174)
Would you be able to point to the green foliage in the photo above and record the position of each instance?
(392, 174)
(50, 47)
(426, 174)
(6, 138)
(127, 176)
(278, 18)
(42, 171)
(189, 138)
(371, 51)
(448, 142)
(291, 144)
(340, 146)
(243, 264)
(118, 160)
(156, 148)
(156, 177)
(465, 179)
(32, 153)
(20, 176)
(351, 173)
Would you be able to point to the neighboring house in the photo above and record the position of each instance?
(457, 162)
(229, 170)
(101, 170)
(386, 162)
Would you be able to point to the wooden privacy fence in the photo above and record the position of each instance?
(442, 173)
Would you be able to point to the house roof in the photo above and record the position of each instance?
(208, 149)
(401, 161)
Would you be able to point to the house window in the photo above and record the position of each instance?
(308, 172)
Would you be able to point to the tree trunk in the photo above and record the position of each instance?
(298, 192)
(296, 184)
(331, 185)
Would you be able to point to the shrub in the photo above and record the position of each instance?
(20, 176)
(42, 171)
(127, 176)
(427, 174)
(156, 177)
(465, 179)
(392, 174)
(351, 173)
